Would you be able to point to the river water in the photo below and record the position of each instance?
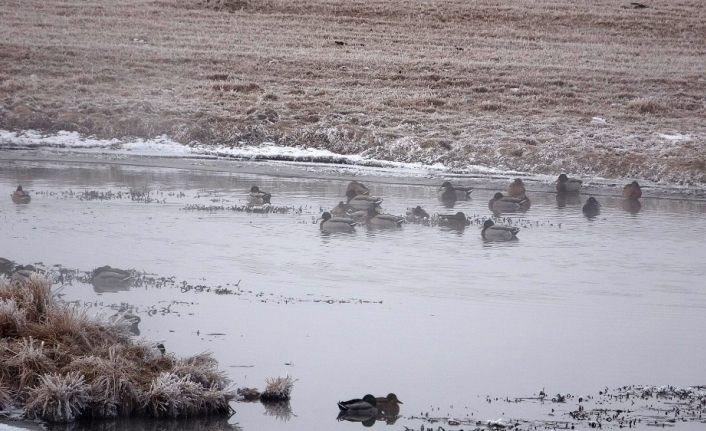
(438, 316)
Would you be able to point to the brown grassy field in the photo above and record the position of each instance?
(506, 84)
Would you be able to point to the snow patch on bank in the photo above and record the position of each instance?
(165, 147)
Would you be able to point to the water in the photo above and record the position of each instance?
(437, 316)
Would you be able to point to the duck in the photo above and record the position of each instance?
(20, 196)
(339, 210)
(336, 224)
(632, 191)
(494, 232)
(389, 405)
(456, 221)
(591, 208)
(257, 197)
(375, 219)
(505, 204)
(565, 184)
(463, 193)
(367, 404)
(362, 202)
(109, 279)
(516, 189)
(417, 215)
(356, 188)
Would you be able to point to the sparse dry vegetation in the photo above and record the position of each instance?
(373, 77)
(278, 389)
(61, 364)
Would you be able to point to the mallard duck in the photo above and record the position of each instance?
(506, 204)
(388, 405)
(109, 279)
(462, 193)
(336, 224)
(632, 191)
(417, 215)
(20, 196)
(356, 188)
(339, 210)
(516, 189)
(591, 208)
(363, 202)
(367, 404)
(376, 219)
(565, 184)
(456, 221)
(258, 198)
(494, 232)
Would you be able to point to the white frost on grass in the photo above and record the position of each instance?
(674, 137)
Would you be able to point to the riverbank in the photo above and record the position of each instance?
(539, 87)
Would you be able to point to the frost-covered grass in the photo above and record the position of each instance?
(503, 84)
(61, 364)
(278, 389)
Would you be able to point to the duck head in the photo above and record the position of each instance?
(325, 216)
(488, 223)
(19, 189)
(391, 397)
(254, 189)
(497, 196)
(419, 212)
(592, 201)
(370, 399)
(518, 182)
(446, 185)
(563, 178)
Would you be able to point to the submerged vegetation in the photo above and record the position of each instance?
(60, 364)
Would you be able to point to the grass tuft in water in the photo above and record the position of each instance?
(278, 389)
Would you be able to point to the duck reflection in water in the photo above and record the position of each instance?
(633, 206)
(564, 199)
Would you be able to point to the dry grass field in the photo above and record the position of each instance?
(509, 84)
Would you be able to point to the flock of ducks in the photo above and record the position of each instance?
(370, 408)
(360, 207)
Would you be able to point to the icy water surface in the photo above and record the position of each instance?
(435, 315)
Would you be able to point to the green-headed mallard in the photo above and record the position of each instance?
(506, 204)
(516, 189)
(336, 224)
(367, 404)
(565, 184)
(632, 191)
(494, 232)
(591, 208)
(20, 196)
(257, 197)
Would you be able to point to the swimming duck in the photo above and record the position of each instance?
(516, 189)
(417, 215)
(258, 198)
(367, 404)
(336, 224)
(591, 208)
(376, 219)
(356, 188)
(20, 196)
(363, 202)
(462, 193)
(632, 191)
(388, 405)
(505, 204)
(456, 221)
(109, 279)
(494, 232)
(339, 210)
(565, 184)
